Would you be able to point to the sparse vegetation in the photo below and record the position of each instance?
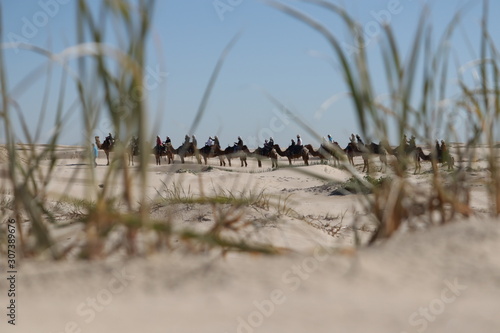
(391, 201)
(102, 87)
(355, 186)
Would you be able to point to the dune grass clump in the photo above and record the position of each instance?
(416, 90)
(280, 205)
(177, 194)
(109, 82)
(102, 89)
(369, 185)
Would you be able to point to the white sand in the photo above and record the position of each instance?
(437, 279)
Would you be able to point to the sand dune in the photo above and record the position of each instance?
(433, 279)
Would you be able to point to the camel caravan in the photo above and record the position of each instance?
(329, 150)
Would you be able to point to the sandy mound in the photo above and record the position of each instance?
(441, 280)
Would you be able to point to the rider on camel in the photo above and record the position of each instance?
(325, 142)
(186, 144)
(412, 143)
(299, 141)
(110, 139)
(134, 140)
(210, 142)
(238, 145)
(404, 142)
(360, 141)
(194, 144)
(268, 145)
(445, 154)
(159, 145)
(296, 147)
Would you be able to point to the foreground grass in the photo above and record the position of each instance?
(108, 77)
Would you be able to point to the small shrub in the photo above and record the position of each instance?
(354, 186)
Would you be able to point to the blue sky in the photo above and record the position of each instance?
(275, 52)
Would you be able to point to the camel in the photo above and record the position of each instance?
(187, 149)
(133, 150)
(267, 153)
(365, 150)
(166, 150)
(231, 151)
(107, 146)
(292, 152)
(408, 151)
(352, 151)
(213, 151)
(438, 155)
(326, 152)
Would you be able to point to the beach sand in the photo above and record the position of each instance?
(432, 278)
